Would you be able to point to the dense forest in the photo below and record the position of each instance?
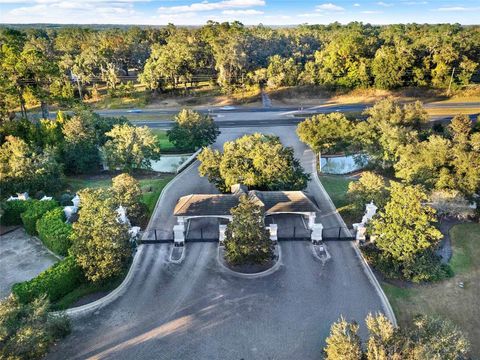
(60, 64)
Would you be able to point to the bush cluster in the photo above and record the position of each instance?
(425, 267)
(12, 211)
(55, 282)
(34, 211)
(54, 231)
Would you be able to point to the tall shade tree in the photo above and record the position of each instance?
(131, 147)
(127, 193)
(405, 227)
(80, 151)
(192, 130)
(247, 241)
(257, 160)
(326, 133)
(388, 128)
(343, 343)
(100, 243)
(23, 169)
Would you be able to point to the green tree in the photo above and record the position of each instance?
(192, 130)
(381, 336)
(22, 169)
(326, 133)
(438, 339)
(343, 343)
(28, 330)
(127, 193)
(426, 163)
(460, 128)
(80, 153)
(370, 187)
(391, 65)
(247, 241)
(388, 128)
(131, 147)
(100, 243)
(256, 160)
(404, 229)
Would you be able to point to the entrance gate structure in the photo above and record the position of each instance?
(192, 209)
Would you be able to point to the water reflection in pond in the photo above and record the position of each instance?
(342, 164)
(169, 163)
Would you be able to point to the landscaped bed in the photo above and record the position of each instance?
(455, 298)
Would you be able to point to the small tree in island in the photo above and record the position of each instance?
(247, 240)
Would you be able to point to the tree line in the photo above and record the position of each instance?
(56, 65)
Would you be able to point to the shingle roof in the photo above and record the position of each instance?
(205, 204)
(271, 201)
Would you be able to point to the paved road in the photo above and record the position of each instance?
(196, 311)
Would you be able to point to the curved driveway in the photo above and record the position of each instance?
(194, 310)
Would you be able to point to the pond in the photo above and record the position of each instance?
(169, 163)
(342, 164)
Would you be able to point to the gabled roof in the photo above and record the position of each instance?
(220, 204)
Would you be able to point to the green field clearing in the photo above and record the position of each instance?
(447, 299)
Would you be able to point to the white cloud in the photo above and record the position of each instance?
(328, 7)
(210, 6)
(242, 12)
(458, 8)
(415, 2)
(356, 4)
(381, 3)
(371, 12)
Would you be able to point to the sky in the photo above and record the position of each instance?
(249, 12)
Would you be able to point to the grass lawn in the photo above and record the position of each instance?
(337, 186)
(446, 298)
(151, 186)
(165, 145)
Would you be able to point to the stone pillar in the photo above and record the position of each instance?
(370, 211)
(76, 201)
(179, 235)
(180, 220)
(273, 232)
(316, 235)
(221, 233)
(311, 220)
(360, 232)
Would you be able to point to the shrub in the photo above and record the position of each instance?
(55, 282)
(425, 267)
(28, 330)
(12, 211)
(35, 210)
(66, 199)
(54, 231)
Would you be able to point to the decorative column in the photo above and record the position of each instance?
(311, 220)
(273, 232)
(316, 236)
(221, 233)
(179, 235)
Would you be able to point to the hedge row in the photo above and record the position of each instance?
(57, 281)
(35, 210)
(54, 231)
(12, 211)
